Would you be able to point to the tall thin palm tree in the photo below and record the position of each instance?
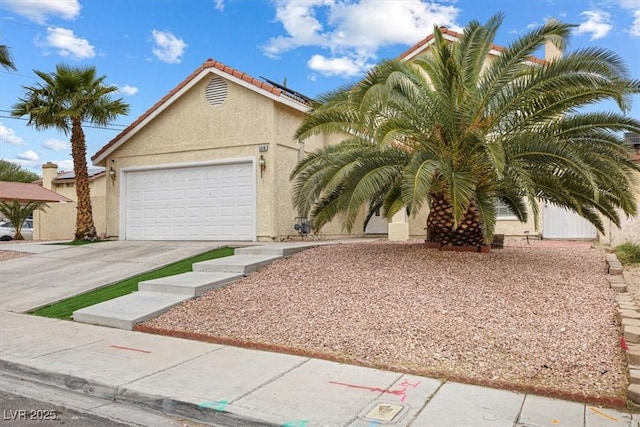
(63, 100)
(5, 58)
(459, 129)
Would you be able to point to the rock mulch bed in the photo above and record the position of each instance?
(541, 320)
(7, 255)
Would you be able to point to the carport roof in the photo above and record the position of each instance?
(28, 193)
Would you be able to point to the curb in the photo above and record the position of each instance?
(221, 415)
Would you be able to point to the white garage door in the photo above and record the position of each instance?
(213, 202)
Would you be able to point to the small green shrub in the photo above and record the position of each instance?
(628, 253)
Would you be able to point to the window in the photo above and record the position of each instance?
(503, 211)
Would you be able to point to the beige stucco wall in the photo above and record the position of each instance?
(58, 221)
(513, 227)
(629, 230)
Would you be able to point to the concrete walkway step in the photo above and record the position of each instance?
(193, 283)
(280, 249)
(242, 264)
(126, 311)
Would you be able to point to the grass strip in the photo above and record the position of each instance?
(65, 308)
(628, 253)
(80, 242)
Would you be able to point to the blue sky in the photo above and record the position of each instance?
(147, 47)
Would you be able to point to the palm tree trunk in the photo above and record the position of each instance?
(440, 224)
(84, 216)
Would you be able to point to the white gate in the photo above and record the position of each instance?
(559, 223)
(377, 224)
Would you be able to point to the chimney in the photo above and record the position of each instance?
(49, 173)
(551, 52)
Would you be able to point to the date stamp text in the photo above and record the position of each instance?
(31, 415)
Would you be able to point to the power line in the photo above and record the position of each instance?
(84, 125)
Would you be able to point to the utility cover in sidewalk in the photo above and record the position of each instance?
(384, 411)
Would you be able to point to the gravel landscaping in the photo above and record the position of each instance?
(7, 255)
(527, 318)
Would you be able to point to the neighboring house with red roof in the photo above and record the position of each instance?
(25, 192)
(58, 222)
(211, 161)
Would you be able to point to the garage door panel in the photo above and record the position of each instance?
(215, 202)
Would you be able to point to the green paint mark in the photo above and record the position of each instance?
(215, 405)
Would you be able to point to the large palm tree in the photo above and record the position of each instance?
(460, 130)
(5, 58)
(64, 100)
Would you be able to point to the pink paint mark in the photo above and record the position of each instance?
(402, 392)
(405, 384)
(130, 349)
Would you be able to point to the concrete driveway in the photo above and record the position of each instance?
(64, 271)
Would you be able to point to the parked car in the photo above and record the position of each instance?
(7, 232)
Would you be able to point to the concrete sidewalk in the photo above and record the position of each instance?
(228, 385)
(239, 387)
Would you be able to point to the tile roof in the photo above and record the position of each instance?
(209, 64)
(424, 43)
(28, 192)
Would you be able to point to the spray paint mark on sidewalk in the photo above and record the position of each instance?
(400, 392)
(596, 411)
(130, 349)
(220, 405)
(296, 423)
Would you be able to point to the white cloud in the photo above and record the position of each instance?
(167, 47)
(9, 136)
(67, 43)
(336, 66)
(634, 7)
(55, 144)
(29, 155)
(218, 4)
(634, 30)
(598, 24)
(127, 90)
(39, 10)
(354, 30)
(64, 165)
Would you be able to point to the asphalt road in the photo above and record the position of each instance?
(26, 404)
(21, 411)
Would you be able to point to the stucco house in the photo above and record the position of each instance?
(211, 161)
(58, 222)
(629, 230)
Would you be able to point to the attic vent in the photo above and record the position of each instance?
(216, 91)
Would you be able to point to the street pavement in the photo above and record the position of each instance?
(26, 404)
(233, 386)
